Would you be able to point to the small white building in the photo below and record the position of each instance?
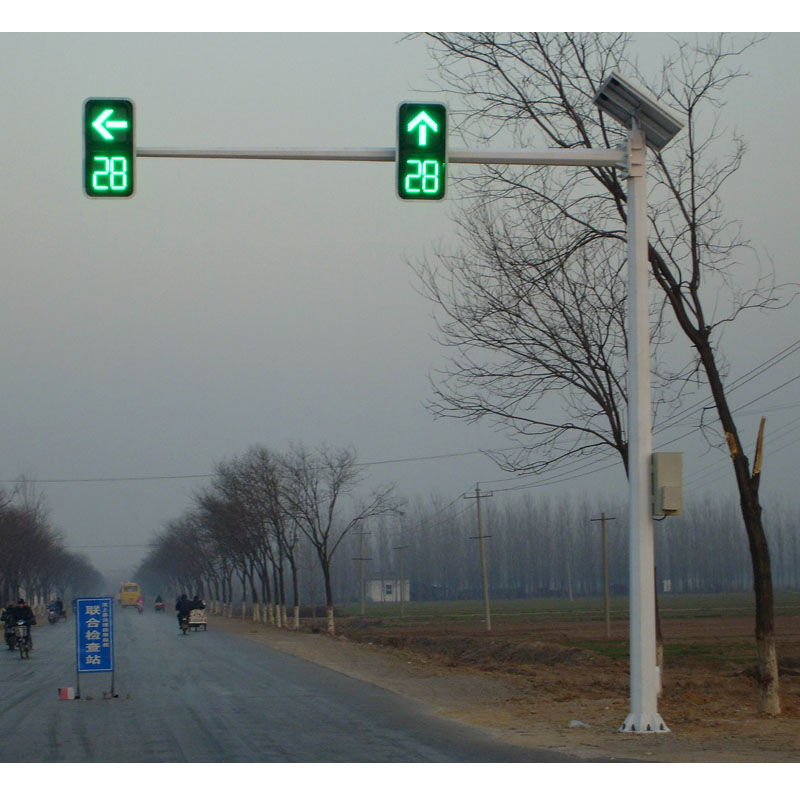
(387, 590)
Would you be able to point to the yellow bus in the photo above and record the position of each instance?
(129, 593)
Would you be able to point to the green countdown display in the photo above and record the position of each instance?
(108, 147)
(421, 151)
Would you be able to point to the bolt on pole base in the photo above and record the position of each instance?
(644, 723)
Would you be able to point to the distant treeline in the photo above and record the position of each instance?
(251, 537)
(549, 546)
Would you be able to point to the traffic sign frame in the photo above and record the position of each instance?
(109, 147)
(410, 151)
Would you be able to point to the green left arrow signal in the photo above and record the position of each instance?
(109, 149)
(103, 123)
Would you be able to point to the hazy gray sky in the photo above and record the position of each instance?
(231, 303)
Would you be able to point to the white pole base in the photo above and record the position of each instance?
(644, 723)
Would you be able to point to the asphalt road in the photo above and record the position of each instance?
(211, 696)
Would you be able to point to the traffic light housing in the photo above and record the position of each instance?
(109, 154)
(421, 151)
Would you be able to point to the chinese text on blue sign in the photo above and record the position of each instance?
(95, 634)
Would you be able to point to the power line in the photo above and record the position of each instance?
(194, 476)
(93, 546)
(718, 470)
(736, 384)
(110, 480)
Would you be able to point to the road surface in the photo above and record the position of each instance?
(212, 696)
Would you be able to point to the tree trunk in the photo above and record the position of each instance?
(266, 590)
(326, 574)
(769, 701)
(296, 594)
(276, 582)
(681, 298)
(254, 597)
(748, 486)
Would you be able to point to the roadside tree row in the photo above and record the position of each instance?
(250, 527)
(34, 563)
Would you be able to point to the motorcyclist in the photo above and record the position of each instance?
(183, 607)
(24, 613)
(159, 603)
(57, 607)
(197, 603)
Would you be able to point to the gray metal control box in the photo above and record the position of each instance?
(666, 494)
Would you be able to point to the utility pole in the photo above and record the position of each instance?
(402, 584)
(361, 560)
(603, 519)
(569, 579)
(477, 497)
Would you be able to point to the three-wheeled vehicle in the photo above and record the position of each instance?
(198, 619)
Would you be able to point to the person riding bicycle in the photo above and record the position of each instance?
(24, 613)
(183, 607)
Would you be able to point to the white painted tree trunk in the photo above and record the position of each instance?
(769, 701)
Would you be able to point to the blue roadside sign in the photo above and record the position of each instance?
(94, 629)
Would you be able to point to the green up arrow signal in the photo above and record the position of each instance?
(424, 122)
(101, 124)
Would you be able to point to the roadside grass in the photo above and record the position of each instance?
(687, 606)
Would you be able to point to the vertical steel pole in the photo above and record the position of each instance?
(644, 716)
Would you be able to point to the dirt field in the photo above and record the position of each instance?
(561, 685)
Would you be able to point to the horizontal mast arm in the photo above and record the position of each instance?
(577, 157)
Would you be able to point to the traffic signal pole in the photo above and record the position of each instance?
(644, 716)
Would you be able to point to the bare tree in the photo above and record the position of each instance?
(539, 89)
(315, 484)
(261, 471)
(539, 346)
